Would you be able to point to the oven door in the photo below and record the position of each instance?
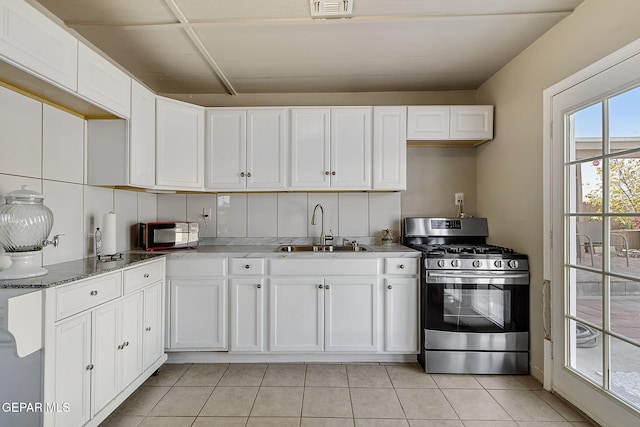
(477, 302)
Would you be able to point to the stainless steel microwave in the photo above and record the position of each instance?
(167, 235)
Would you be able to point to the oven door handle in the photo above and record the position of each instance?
(517, 276)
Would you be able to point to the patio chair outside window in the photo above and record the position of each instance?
(590, 236)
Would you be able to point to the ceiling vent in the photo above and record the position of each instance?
(331, 8)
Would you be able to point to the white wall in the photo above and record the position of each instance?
(509, 168)
(43, 147)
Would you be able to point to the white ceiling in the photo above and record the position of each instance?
(273, 46)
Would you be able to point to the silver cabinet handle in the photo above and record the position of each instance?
(333, 173)
(327, 287)
(326, 172)
(146, 275)
(248, 174)
(320, 287)
(401, 266)
(258, 286)
(389, 287)
(247, 266)
(242, 174)
(93, 293)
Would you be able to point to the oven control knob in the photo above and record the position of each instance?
(513, 263)
(477, 263)
(456, 263)
(499, 263)
(441, 263)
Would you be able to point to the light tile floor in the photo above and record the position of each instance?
(337, 395)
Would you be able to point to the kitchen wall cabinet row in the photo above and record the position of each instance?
(293, 306)
(32, 42)
(107, 334)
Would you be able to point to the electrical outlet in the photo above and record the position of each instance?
(459, 197)
(206, 213)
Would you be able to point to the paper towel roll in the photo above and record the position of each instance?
(108, 246)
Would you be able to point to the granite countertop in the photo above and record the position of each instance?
(66, 272)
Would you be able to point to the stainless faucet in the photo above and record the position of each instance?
(323, 237)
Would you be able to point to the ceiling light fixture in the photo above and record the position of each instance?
(322, 9)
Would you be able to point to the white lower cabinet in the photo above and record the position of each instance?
(317, 314)
(198, 313)
(102, 349)
(401, 315)
(246, 314)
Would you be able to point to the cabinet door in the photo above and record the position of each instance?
(103, 83)
(390, 148)
(226, 149)
(198, 314)
(296, 314)
(401, 315)
(351, 311)
(428, 122)
(152, 343)
(351, 148)
(32, 40)
(131, 339)
(247, 314)
(73, 370)
(266, 149)
(106, 339)
(470, 122)
(142, 140)
(310, 145)
(179, 145)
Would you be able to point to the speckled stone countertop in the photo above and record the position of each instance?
(66, 272)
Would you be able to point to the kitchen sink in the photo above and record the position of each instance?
(321, 248)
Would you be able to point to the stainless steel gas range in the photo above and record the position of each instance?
(474, 298)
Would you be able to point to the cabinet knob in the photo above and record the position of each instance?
(401, 266)
(148, 329)
(126, 344)
(320, 287)
(242, 174)
(258, 286)
(89, 367)
(120, 347)
(93, 293)
(326, 172)
(389, 287)
(247, 266)
(248, 174)
(327, 287)
(333, 173)
(146, 275)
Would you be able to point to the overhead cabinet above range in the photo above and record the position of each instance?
(472, 123)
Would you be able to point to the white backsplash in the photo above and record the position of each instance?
(273, 218)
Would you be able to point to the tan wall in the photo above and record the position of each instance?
(509, 168)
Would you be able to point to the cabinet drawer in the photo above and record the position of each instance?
(404, 266)
(139, 277)
(246, 266)
(75, 298)
(330, 267)
(196, 265)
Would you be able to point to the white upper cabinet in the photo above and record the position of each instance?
(103, 83)
(310, 148)
(351, 148)
(428, 122)
(246, 149)
(30, 40)
(390, 148)
(179, 145)
(450, 123)
(331, 148)
(142, 131)
(471, 122)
